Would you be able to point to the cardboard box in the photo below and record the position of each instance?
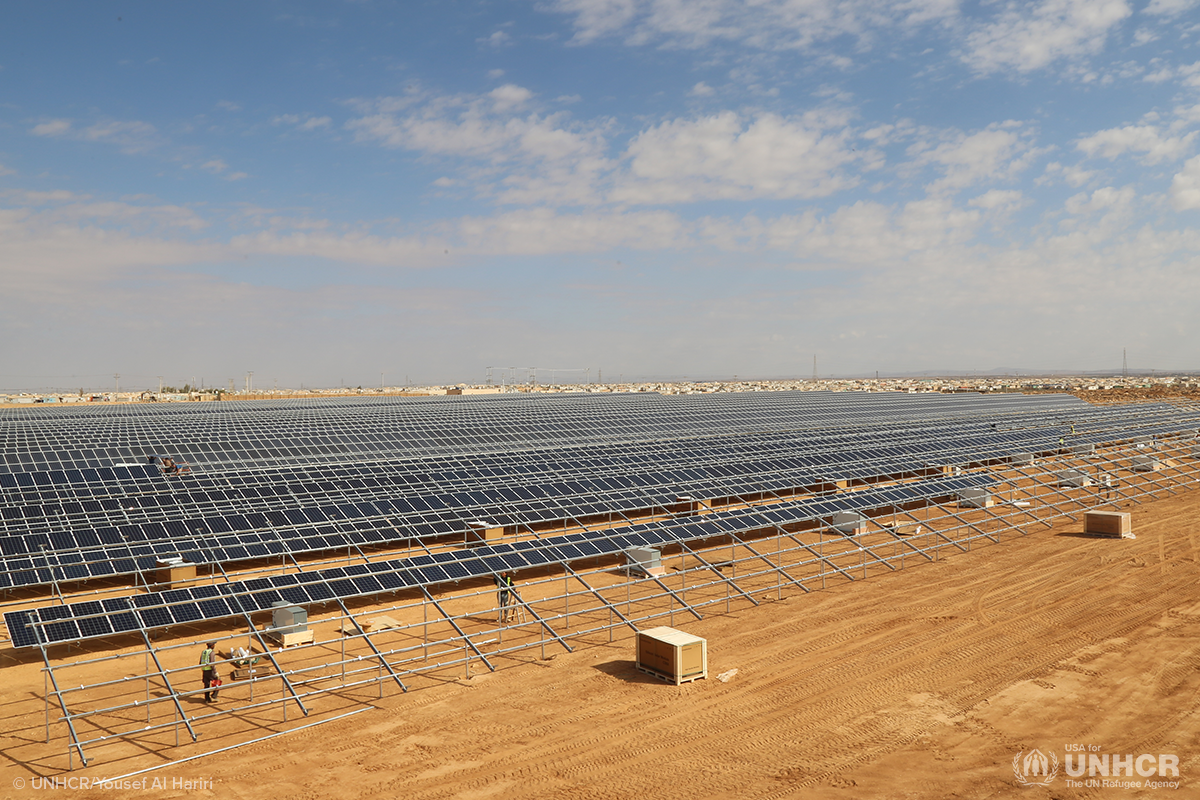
(672, 655)
(481, 533)
(1116, 524)
(169, 576)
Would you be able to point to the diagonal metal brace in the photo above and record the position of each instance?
(671, 592)
(809, 548)
(454, 625)
(174, 697)
(366, 637)
(267, 652)
(599, 597)
(718, 573)
(545, 625)
(936, 533)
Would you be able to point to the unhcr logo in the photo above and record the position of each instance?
(1088, 766)
(1035, 768)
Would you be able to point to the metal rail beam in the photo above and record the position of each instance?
(367, 638)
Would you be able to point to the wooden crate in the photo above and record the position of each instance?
(1117, 524)
(289, 639)
(672, 655)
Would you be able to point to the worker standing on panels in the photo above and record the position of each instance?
(208, 671)
(504, 582)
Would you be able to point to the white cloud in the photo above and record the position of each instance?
(218, 167)
(1144, 36)
(1145, 139)
(999, 200)
(764, 24)
(547, 157)
(999, 152)
(56, 127)
(131, 136)
(1106, 199)
(509, 97)
(302, 123)
(497, 39)
(537, 231)
(1073, 175)
(1187, 74)
(873, 234)
(1169, 8)
(726, 157)
(1185, 187)
(1027, 37)
(228, 105)
(316, 122)
(701, 89)
(495, 73)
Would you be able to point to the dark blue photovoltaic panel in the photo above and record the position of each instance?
(296, 595)
(343, 587)
(570, 552)
(156, 617)
(514, 560)
(391, 580)
(95, 626)
(62, 631)
(186, 612)
(432, 575)
(215, 608)
(319, 592)
(19, 629)
(367, 584)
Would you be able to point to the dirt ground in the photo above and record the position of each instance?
(920, 683)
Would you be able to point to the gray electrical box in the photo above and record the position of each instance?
(975, 498)
(287, 618)
(850, 523)
(647, 560)
(1072, 478)
(1145, 464)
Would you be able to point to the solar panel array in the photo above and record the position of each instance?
(296, 477)
(267, 433)
(99, 618)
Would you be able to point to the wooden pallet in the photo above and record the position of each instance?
(662, 676)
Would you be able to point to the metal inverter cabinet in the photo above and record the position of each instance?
(672, 655)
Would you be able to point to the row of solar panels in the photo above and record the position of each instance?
(428, 426)
(281, 484)
(401, 471)
(86, 552)
(99, 618)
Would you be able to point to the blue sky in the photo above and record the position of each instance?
(323, 192)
